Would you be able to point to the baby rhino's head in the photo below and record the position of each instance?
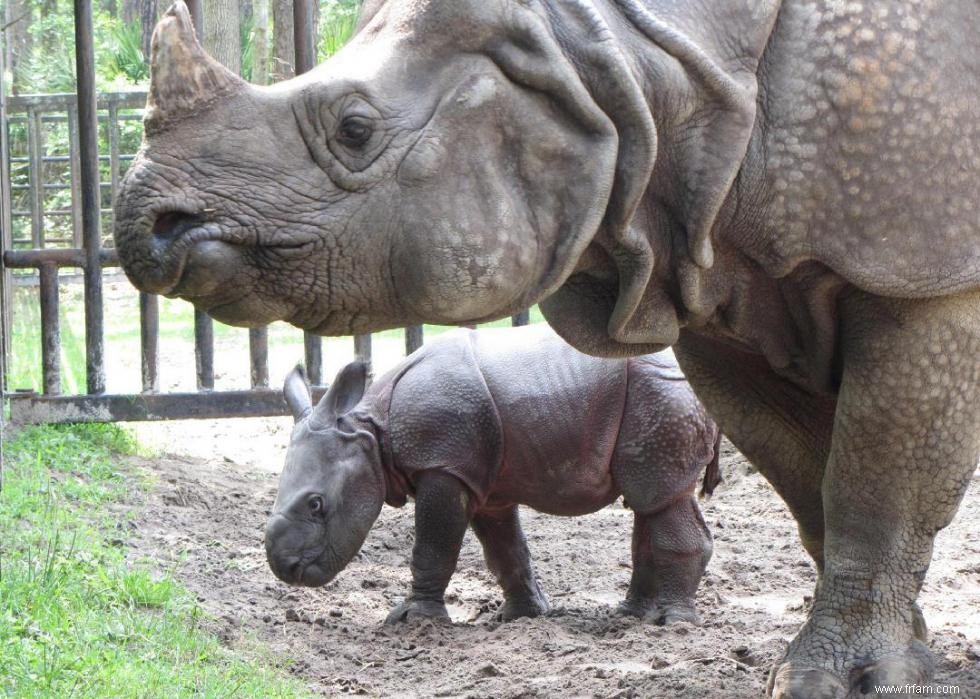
(332, 487)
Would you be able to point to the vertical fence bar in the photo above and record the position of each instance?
(150, 342)
(76, 192)
(50, 329)
(362, 348)
(304, 48)
(35, 154)
(522, 318)
(313, 353)
(203, 325)
(258, 352)
(303, 38)
(88, 141)
(413, 338)
(204, 350)
(6, 240)
(112, 129)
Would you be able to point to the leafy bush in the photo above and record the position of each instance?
(126, 52)
(337, 21)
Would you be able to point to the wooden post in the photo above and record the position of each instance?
(88, 141)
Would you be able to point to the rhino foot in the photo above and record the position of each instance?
(911, 668)
(660, 613)
(526, 605)
(787, 681)
(414, 609)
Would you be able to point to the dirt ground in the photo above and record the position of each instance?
(206, 514)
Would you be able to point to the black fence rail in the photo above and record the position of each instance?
(89, 206)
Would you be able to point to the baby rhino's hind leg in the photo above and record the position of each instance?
(671, 549)
(505, 550)
(664, 443)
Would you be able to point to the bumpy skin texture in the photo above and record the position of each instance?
(784, 189)
(479, 422)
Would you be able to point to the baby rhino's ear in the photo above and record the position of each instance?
(345, 392)
(297, 393)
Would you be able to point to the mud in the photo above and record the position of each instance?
(204, 518)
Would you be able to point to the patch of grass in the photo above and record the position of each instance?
(78, 619)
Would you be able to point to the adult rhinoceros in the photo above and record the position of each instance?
(787, 192)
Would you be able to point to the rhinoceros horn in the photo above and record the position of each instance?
(184, 79)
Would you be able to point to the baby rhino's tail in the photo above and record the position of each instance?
(712, 473)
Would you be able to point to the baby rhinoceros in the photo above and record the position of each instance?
(473, 425)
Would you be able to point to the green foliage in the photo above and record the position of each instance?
(338, 19)
(50, 67)
(247, 29)
(126, 52)
(77, 618)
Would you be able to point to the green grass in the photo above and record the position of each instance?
(77, 619)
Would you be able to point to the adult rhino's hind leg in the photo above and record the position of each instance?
(906, 441)
(505, 550)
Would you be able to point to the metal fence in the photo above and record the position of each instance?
(54, 207)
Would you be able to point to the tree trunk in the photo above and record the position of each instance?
(130, 11)
(149, 13)
(283, 55)
(222, 33)
(18, 42)
(260, 42)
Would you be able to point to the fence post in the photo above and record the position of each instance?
(150, 341)
(6, 239)
(413, 338)
(50, 329)
(304, 48)
(76, 195)
(258, 351)
(88, 141)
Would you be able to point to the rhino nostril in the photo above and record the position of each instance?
(171, 224)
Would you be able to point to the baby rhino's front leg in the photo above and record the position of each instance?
(441, 517)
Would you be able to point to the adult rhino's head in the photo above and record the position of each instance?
(332, 487)
(457, 161)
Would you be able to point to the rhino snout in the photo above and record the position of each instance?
(292, 559)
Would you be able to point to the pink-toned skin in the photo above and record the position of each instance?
(479, 422)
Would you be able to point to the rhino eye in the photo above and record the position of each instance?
(354, 131)
(316, 504)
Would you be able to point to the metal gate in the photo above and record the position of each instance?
(86, 253)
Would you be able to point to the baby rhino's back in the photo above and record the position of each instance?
(560, 412)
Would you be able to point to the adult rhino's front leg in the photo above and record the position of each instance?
(905, 444)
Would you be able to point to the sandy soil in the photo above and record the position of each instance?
(205, 516)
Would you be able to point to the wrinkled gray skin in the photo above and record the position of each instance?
(479, 422)
(787, 192)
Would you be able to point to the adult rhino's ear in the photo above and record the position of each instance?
(296, 391)
(344, 393)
